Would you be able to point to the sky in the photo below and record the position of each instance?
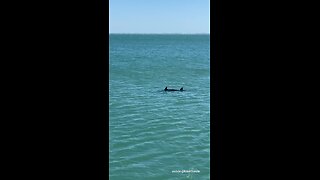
(159, 16)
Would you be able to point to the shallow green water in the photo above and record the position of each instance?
(152, 132)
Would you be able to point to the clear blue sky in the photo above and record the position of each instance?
(159, 16)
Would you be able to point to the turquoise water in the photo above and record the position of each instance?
(153, 134)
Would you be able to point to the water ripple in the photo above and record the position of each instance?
(153, 132)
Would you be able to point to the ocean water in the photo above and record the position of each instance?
(155, 134)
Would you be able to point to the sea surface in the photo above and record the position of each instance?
(155, 134)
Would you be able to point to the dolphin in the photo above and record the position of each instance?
(166, 89)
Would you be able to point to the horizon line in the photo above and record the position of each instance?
(164, 33)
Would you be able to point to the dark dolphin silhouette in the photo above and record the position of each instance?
(166, 89)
